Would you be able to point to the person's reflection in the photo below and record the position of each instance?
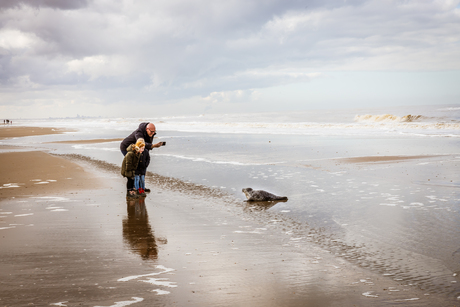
(253, 206)
(137, 231)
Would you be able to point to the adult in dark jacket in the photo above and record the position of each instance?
(145, 131)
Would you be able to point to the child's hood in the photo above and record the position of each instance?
(132, 148)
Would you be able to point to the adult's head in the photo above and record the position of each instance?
(151, 130)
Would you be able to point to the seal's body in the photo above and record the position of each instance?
(260, 195)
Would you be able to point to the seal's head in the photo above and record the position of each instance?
(247, 192)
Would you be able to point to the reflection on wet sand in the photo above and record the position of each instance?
(137, 231)
(261, 205)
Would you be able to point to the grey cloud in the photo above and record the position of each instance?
(57, 4)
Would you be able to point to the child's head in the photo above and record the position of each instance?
(140, 144)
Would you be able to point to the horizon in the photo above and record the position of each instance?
(400, 111)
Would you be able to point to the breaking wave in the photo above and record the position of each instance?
(368, 118)
(404, 125)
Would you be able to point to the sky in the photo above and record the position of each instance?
(138, 58)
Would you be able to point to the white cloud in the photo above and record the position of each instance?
(101, 65)
(237, 96)
(14, 39)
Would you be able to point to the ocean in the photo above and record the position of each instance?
(379, 188)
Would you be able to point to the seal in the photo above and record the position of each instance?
(260, 195)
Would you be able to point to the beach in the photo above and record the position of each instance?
(35, 172)
(69, 237)
(14, 132)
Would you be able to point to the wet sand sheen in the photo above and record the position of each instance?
(382, 159)
(170, 249)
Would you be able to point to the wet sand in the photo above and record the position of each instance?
(96, 249)
(382, 159)
(184, 245)
(36, 173)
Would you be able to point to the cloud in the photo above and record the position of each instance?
(57, 4)
(101, 65)
(237, 96)
(11, 39)
(177, 49)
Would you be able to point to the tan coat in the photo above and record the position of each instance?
(130, 162)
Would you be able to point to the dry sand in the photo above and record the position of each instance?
(11, 132)
(36, 172)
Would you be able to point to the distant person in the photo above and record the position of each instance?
(145, 131)
(129, 166)
(139, 177)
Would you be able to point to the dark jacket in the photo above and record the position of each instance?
(144, 162)
(129, 165)
(137, 134)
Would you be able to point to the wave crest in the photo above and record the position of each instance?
(387, 118)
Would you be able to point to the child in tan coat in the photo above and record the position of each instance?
(129, 166)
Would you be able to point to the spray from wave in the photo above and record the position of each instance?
(388, 118)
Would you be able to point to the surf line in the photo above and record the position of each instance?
(123, 303)
(154, 281)
(165, 270)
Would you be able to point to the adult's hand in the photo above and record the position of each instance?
(157, 144)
